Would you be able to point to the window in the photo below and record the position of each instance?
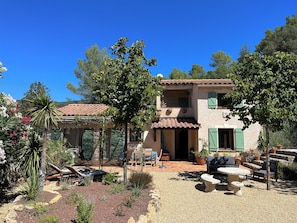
(217, 100)
(226, 139)
(220, 139)
(222, 102)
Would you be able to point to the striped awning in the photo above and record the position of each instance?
(176, 123)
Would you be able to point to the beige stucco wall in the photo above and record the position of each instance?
(215, 118)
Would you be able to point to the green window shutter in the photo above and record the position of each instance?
(55, 134)
(239, 140)
(213, 139)
(212, 99)
(88, 144)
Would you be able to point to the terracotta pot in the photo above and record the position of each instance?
(200, 160)
(257, 157)
(279, 146)
(168, 111)
(273, 150)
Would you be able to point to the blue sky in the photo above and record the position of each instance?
(43, 40)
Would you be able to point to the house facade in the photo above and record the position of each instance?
(192, 114)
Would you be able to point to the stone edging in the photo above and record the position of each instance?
(152, 208)
(11, 214)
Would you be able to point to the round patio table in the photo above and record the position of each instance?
(233, 174)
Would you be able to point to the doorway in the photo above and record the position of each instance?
(181, 144)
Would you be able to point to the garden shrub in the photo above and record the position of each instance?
(287, 172)
(140, 179)
(84, 211)
(117, 188)
(31, 189)
(49, 219)
(109, 178)
(58, 154)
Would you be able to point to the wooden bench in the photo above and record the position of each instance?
(209, 182)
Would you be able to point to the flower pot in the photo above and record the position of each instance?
(273, 150)
(279, 146)
(257, 157)
(200, 160)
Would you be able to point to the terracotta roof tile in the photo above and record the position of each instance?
(200, 82)
(82, 109)
(176, 123)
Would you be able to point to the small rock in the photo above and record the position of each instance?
(55, 199)
(142, 219)
(131, 220)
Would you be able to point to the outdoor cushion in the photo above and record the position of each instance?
(214, 162)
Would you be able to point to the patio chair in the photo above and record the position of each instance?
(148, 156)
(263, 173)
(137, 157)
(158, 158)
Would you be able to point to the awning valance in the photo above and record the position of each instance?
(176, 123)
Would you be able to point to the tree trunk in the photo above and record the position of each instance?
(125, 153)
(268, 181)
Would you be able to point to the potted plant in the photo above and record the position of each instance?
(200, 156)
(257, 154)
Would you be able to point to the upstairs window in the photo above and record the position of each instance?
(223, 102)
(217, 100)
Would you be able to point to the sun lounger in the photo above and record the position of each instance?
(81, 173)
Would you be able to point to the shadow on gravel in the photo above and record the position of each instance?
(285, 187)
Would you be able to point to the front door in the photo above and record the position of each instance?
(181, 144)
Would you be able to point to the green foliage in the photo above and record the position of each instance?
(267, 85)
(74, 199)
(117, 188)
(86, 181)
(30, 189)
(110, 177)
(58, 154)
(287, 172)
(202, 153)
(283, 38)
(14, 129)
(223, 65)
(64, 186)
(44, 114)
(94, 63)
(103, 198)
(127, 84)
(35, 87)
(197, 72)
(136, 191)
(177, 74)
(31, 154)
(49, 219)
(84, 211)
(140, 179)
(88, 144)
(39, 208)
(128, 87)
(84, 208)
(261, 141)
